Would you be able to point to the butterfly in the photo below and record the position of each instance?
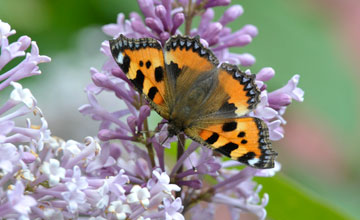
(183, 83)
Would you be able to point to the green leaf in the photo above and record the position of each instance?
(289, 200)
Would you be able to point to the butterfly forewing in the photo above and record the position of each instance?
(142, 60)
(187, 63)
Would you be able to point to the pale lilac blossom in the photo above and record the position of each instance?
(75, 198)
(9, 156)
(17, 201)
(139, 195)
(173, 209)
(119, 209)
(162, 183)
(53, 170)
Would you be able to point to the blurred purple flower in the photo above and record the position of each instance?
(8, 157)
(17, 201)
(173, 209)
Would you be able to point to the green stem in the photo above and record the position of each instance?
(204, 196)
(148, 145)
(189, 15)
(180, 152)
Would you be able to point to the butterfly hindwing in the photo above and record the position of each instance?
(142, 60)
(242, 139)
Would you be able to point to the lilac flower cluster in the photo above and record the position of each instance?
(124, 172)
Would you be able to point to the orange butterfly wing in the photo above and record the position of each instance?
(142, 60)
(242, 139)
(242, 91)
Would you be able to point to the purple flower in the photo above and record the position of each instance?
(282, 97)
(77, 181)
(28, 67)
(76, 199)
(54, 171)
(117, 183)
(119, 209)
(161, 184)
(173, 209)
(8, 157)
(17, 201)
(139, 195)
(5, 30)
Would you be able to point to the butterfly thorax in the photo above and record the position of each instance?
(190, 102)
(173, 129)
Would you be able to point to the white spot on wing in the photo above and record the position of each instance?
(253, 161)
(120, 58)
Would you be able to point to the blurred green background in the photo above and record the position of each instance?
(317, 39)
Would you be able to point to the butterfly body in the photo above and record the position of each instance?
(183, 83)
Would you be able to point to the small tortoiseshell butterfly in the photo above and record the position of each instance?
(183, 83)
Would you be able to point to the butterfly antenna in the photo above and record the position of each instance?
(144, 132)
(165, 140)
(183, 147)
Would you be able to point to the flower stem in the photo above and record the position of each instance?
(148, 144)
(188, 18)
(180, 152)
(191, 12)
(206, 195)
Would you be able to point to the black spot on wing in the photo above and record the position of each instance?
(159, 74)
(228, 107)
(173, 69)
(148, 64)
(139, 80)
(126, 64)
(227, 148)
(229, 126)
(246, 157)
(152, 92)
(141, 63)
(241, 134)
(244, 141)
(212, 139)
